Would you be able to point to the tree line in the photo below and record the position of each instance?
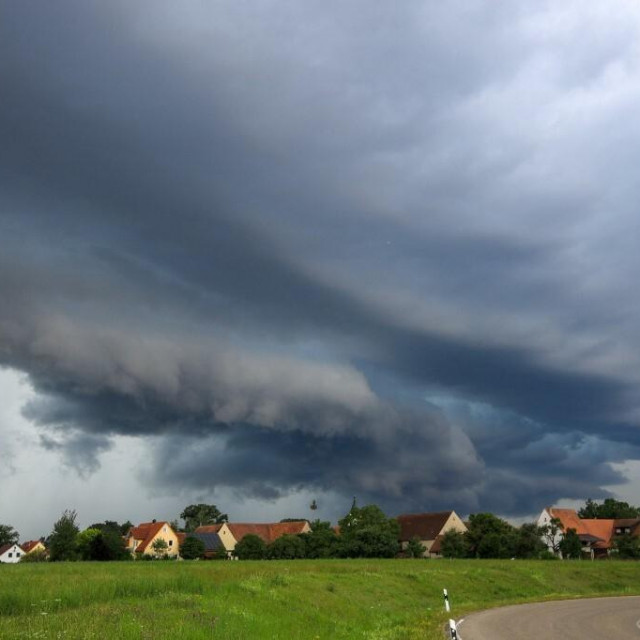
(364, 532)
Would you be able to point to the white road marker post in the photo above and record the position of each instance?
(453, 630)
(447, 606)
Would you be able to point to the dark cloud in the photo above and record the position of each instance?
(266, 239)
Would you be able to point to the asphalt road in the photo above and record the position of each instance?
(589, 619)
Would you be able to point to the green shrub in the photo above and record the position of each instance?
(251, 547)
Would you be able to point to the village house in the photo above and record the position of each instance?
(429, 528)
(140, 540)
(228, 534)
(33, 546)
(596, 535)
(11, 553)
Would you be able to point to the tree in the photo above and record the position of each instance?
(192, 548)
(294, 520)
(589, 511)
(34, 556)
(610, 509)
(83, 542)
(454, 544)
(109, 545)
(125, 527)
(415, 548)
(627, 546)
(251, 547)
(62, 541)
(570, 545)
(197, 515)
(287, 547)
(159, 547)
(321, 541)
(552, 535)
(497, 545)
(8, 535)
(110, 525)
(490, 537)
(366, 532)
(528, 543)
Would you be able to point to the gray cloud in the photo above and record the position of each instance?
(266, 238)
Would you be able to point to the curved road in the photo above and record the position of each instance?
(589, 619)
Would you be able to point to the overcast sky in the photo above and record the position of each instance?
(256, 253)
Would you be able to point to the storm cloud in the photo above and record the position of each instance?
(326, 246)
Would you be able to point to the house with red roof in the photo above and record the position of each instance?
(597, 535)
(230, 533)
(140, 540)
(11, 553)
(33, 546)
(429, 528)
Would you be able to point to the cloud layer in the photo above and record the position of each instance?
(378, 251)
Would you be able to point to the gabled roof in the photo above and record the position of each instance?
(568, 518)
(436, 547)
(5, 547)
(267, 531)
(425, 526)
(29, 545)
(208, 528)
(598, 528)
(630, 523)
(146, 532)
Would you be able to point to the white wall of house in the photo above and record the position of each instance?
(545, 519)
(12, 555)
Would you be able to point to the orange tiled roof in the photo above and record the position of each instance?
(569, 519)
(29, 545)
(602, 529)
(146, 532)
(208, 528)
(267, 531)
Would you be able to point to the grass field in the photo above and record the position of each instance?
(374, 599)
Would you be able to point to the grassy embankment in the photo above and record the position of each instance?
(299, 599)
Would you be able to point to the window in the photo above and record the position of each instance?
(11, 555)
(171, 543)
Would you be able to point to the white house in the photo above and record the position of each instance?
(11, 553)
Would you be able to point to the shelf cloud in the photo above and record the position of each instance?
(386, 251)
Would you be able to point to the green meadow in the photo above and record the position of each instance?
(373, 599)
